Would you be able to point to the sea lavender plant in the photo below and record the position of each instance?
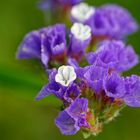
(87, 77)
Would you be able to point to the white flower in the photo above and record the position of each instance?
(65, 75)
(82, 12)
(80, 31)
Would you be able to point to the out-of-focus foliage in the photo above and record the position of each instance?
(22, 118)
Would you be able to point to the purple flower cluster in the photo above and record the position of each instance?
(99, 82)
(50, 45)
(45, 44)
(85, 76)
(114, 55)
(111, 21)
(71, 119)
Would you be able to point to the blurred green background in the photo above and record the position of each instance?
(22, 118)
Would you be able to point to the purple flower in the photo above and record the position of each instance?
(56, 85)
(72, 92)
(114, 86)
(30, 46)
(46, 44)
(53, 43)
(127, 59)
(80, 38)
(52, 88)
(106, 54)
(113, 21)
(78, 108)
(113, 55)
(94, 76)
(82, 122)
(66, 123)
(132, 96)
(72, 62)
(72, 118)
(109, 20)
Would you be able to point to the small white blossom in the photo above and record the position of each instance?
(80, 31)
(65, 75)
(82, 12)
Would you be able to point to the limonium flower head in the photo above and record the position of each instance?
(111, 21)
(30, 46)
(114, 55)
(132, 96)
(92, 92)
(117, 23)
(70, 120)
(50, 44)
(45, 44)
(86, 76)
(114, 86)
(80, 38)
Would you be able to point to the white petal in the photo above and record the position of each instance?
(72, 76)
(82, 12)
(58, 78)
(80, 31)
(60, 69)
(65, 75)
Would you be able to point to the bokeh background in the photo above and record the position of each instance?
(23, 118)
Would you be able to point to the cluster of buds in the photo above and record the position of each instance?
(85, 66)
